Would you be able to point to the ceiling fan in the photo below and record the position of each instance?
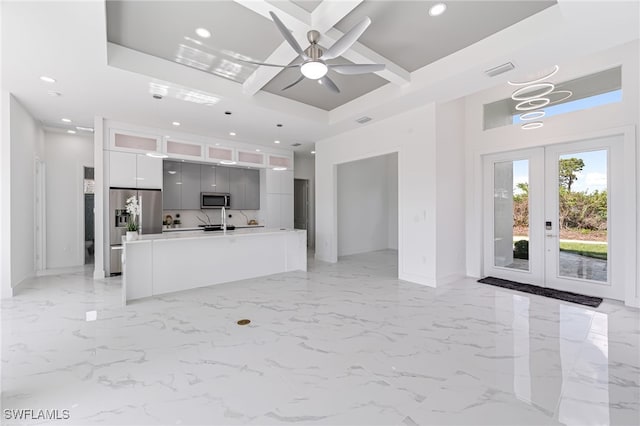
(314, 66)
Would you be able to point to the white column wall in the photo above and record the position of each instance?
(412, 136)
(392, 201)
(617, 118)
(25, 146)
(450, 172)
(66, 156)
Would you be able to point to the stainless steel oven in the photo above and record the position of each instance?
(215, 200)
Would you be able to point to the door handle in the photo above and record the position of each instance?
(551, 235)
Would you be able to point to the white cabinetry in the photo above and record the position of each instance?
(148, 172)
(122, 170)
(279, 198)
(128, 170)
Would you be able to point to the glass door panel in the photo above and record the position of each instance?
(513, 234)
(583, 209)
(511, 214)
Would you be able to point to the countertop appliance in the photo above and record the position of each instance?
(150, 221)
(215, 200)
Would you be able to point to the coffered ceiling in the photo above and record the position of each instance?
(402, 35)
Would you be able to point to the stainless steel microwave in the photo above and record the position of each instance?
(215, 200)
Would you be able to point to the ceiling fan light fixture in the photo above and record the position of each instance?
(314, 70)
(437, 9)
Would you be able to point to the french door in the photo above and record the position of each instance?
(550, 216)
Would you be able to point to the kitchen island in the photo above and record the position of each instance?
(164, 263)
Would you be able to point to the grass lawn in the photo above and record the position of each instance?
(598, 251)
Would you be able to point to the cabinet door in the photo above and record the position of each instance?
(273, 181)
(252, 190)
(190, 187)
(273, 210)
(286, 182)
(208, 178)
(122, 170)
(236, 188)
(171, 185)
(222, 179)
(149, 172)
(286, 211)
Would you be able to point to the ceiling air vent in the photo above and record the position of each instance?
(296, 144)
(500, 69)
(363, 120)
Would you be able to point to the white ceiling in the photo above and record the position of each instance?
(68, 41)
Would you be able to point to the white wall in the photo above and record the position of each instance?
(305, 168)
(363, 206)
(65, 156)
(450, 173)
(616, 118)
(392, 200)
(25, 146)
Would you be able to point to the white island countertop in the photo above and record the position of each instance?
(163, 263)
(208, 234)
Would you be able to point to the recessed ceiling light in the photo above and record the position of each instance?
(203, 32)
(257, 150)
(227, 162)
(66, 120)
(279, 169)
(313, 152)
(232, 133)
(47, 79)
(52, 93)
(437, 9)
(84, 129)
(276, 141)
(176, 123)
(73, 132)
(217, 144)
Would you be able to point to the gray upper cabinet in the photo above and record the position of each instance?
(236, 188)
(183, 183)
(252, 190)
(171, 185)
(222, 179)
(208, 178)
(190, 186)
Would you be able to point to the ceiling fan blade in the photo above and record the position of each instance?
(352, 69)
(294, 83)
(269, 65)
(347, 39)
(287, 34)
(328, 83)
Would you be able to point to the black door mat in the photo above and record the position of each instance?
(567, 296)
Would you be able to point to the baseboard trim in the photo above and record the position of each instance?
(417, 279)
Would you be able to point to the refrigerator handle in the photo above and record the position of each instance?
(140, 218)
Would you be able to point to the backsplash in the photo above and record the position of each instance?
(189, 218)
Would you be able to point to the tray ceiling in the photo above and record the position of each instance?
(401, 32)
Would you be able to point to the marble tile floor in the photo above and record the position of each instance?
(341, 344)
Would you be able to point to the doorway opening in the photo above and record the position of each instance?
(367, 212)
(301, 206)
(553, 216)
(89, 215)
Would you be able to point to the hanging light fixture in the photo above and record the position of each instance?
(534, 94)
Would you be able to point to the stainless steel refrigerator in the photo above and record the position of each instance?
(150, 221)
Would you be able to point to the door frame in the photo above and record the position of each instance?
(631, 246)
